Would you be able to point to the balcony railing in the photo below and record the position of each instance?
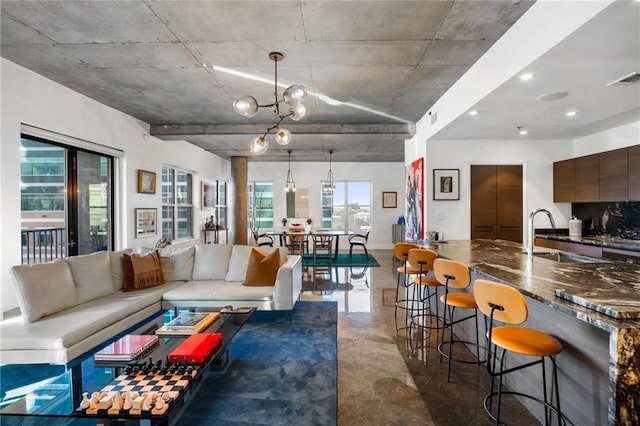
(43, 245)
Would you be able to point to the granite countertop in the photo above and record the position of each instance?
(611, 290)
(594, 240)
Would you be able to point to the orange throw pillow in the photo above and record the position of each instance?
(142, 271)
(262, 269)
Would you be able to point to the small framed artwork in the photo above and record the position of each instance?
(446, 184)
(208, 195)
(389, 200)
(146, 182)
(146, 222)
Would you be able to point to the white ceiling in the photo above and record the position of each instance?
(385, 62)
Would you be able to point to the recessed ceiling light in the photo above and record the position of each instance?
(571, 113)
(473, 112)
(522, 131)
(526, 76)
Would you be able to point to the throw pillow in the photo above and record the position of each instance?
(142, 271)
(263, 269)
(117, 268)
(238, 263)
(177, 265)
(211, 261)
(44, 289)
(92, 275)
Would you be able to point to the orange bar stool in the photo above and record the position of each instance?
(401, 253)
(426, 317)
(505, 304)
(455, 275)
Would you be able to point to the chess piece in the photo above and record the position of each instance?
(160, 403)
(117, 401)
(146, 403)
(128, 402)
(84, 404)
(95, 399)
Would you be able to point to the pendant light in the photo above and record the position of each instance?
(328, 184)
(290, 185)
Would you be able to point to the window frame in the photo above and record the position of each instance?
(177, 205)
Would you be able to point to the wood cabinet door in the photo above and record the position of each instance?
(614, 175)
(564, 181)
(509, 203)
(587, 180)
(634, 172)
(483, 201)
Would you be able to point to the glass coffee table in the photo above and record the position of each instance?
(60, 395)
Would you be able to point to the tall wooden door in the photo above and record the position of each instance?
(496, 202)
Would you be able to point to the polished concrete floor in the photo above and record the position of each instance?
(379, 381)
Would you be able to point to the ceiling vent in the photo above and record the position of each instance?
(634, 77)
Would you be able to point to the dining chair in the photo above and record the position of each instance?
(262, 239)
(322, 242)
(297, 243)
(358, 240)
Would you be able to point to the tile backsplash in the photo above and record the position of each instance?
(618, 219)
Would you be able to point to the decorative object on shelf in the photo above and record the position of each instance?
(284, 221)
(401, 220)
(328, 185)
(146, 222)
(389, 200)
(146, 182)
(208, 195)
(309, 221)
(290, 186)
(210, 223)
(247, 106)
(163, 242)
(446, 184)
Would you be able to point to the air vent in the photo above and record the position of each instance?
(634, 77)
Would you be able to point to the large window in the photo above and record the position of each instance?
(177, 204)
(221, 203)
(348, 207)
(260, 205)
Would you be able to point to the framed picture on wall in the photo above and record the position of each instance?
(146, 182)
(208, 195)
(146, 222)
(389, 200)
(446, 184)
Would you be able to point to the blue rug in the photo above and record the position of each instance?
(282, 373)
(343, 260)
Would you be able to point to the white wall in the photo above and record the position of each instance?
(29, 98)
(611, 139)
(383, 176)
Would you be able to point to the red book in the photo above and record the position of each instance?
(127, 348)
(198, 347)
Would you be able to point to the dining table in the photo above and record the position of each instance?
(281, 233)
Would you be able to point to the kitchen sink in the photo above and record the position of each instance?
(563, 257)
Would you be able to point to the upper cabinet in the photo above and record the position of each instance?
(614, 172)
(564, 181)
(634, 173)
(586, 179)
(608, 176)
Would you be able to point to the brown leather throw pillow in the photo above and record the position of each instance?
(262, 269)
(142, 271)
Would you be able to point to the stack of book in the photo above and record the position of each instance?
(127, 348)
(188, 323)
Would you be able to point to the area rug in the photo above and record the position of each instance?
(343, 260)
(283, 372)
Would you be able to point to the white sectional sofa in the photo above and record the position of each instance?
(72, 305)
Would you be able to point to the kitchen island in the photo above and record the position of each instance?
(600, 364)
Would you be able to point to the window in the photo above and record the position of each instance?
(177, 204)
(348, 207)
(261, 205)
(221, 204)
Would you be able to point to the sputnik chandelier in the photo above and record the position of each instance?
(247, 106)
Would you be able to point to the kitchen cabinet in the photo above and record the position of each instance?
(577, 248)
(614, 175)
(587, 178)
(564, 181)
(634, 172)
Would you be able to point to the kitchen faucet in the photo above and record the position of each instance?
(530, 236)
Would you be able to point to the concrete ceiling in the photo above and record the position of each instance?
(375, 66)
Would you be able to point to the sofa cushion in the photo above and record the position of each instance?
(142, 271)
(211, 261)
(92, 275)
(210, 290)
(238, 263)
(117, 268)
(177, 265)
(38, 294)
(262, 269)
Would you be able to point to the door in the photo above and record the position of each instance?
(66, 200)
(496, 202)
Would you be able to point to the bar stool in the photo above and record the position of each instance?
(503, 303)
(401, 253)
(425, 318)
(455, 275)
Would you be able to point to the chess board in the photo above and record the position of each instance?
(168, 386)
